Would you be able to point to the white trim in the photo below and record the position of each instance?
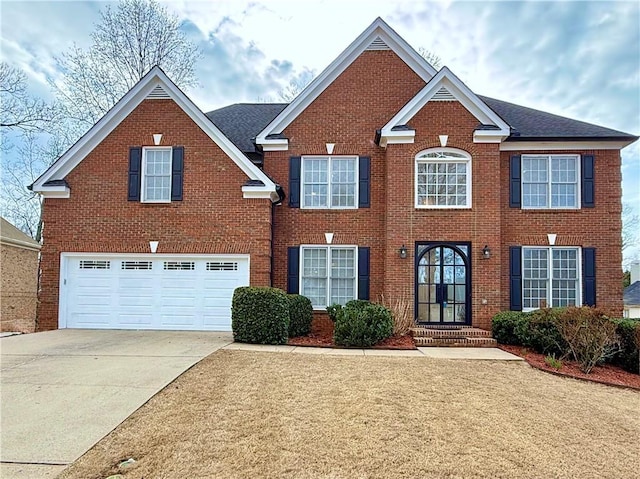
(62, 291)
(550, 183)
(59, 191)
(463, 94)
(329, 163)
(397, 137)
(156, 77)
(550, 270)
(20, 244)
(377, 29)
(328, 248)
(563, 145)
(143, 174)
(468, 160)
(278, 144)
(249, 191)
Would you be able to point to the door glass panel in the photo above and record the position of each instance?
(423, 293)
(460, 315)
(460, 295)
(448, 274)
(447, 314)
(423, 312)
(422, 273)
(461, 274)
(434, 312)
(448, 255)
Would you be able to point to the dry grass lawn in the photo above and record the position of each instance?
(243, 414)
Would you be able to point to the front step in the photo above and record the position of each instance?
(453, 337)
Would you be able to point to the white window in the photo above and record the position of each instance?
(550, 181)
(551, 277)
(328, 274)
(156, 175)
(443, 179)
(329, 182)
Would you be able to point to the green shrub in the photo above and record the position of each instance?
(300, 315)
(542, 334)
(333, 311)
(551, 361)
(362, 324)
(507, 327)
(628, 355)
(591, 336)
(260, 315)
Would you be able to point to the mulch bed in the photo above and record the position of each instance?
(606, 374)
(324, 339)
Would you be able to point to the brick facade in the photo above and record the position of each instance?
(19, 288)
(212, 218)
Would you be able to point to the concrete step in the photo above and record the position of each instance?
(456, 342)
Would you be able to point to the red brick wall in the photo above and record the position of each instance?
(479, 225)
(212, 218)
(367, 95)
(598, 227)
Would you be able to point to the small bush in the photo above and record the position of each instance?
(300, 315)
(507, 327)
(402, 312)
(333, 311)
(551, 361)
(542, 334)
(628, 356)
(591, 336)
(260, 315)
(362, 325)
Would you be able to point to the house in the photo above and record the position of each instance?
(19, 271)
(631, 295)
(383, 176)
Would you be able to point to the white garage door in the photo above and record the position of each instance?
(150, 291)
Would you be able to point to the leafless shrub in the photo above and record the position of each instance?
(591, 336)
(402, 311)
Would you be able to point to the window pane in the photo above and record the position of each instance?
(314, 262)
(535, 277)
(444, 184)
(343, 263)
(315, 290)
(343, 182)
(157, 175)
(316, 182)
(565, 277)
(342, 291)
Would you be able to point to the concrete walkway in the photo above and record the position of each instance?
(63, 391)
(492, 354)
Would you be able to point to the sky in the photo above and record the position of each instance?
(573, 58)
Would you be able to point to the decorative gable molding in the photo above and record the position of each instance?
(158, 93)
(377, 44)
(377, 34)
(443, 95)
(494, 130)
(51, 182)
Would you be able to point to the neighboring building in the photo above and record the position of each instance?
(19, 267)
(382, 176)
(632, 293)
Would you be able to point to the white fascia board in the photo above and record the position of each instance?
(260, 192)
(275, 144)
(123, 108)
(377, 29)
(53, 191)
(488, 136)
(460, 91)
(563, 145)
(397, 137)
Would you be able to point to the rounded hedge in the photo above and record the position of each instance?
(300, 315)
(260, 315)
(362, 324)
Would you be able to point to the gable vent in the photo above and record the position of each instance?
(378, 44)
(158, 93)
(443, 95)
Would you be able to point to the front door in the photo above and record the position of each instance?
(443, 283)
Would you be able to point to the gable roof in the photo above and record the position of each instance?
(394, 131)
(378, 35)
(243, 121)
(526, 123)
(11, 235)
(155, 84)
(632, 294)
(530, 124)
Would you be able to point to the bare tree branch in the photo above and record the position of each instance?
(432, 58)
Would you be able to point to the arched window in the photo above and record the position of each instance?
(443, 178)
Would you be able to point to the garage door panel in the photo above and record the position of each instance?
(152, 292)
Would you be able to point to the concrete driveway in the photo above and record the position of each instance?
(62, 391)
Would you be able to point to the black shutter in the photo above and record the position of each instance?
(515, 278)
(177, 169)
(363, 273)
(294, 181)
(589, 276)
(293, 270)
(135, 167)
(588, 187)
(515, 184)
(364, 182)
